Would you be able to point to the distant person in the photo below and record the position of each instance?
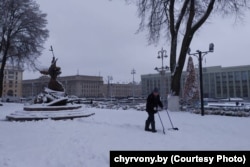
(153, 102)
(237, 103)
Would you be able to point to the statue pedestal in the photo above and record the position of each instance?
(51, 108)
(50, 105)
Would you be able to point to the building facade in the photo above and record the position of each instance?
(218, 82)
(151, 81)
(12, 82)
(118, 90)
(78, 85)
(83, 86)
(225, 82)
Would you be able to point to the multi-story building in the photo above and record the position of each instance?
(151, 81)
(225, 82)
(218, 82)
(83, 86)
(12, 82)
(78, 85)
(118, 90)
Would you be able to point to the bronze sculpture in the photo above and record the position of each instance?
(55, 94)
(53, 72)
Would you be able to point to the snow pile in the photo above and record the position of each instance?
(87, 141)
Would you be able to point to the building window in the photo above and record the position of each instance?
(10, 84)
(231, 84)
(224, 85)
(244, 83)
(218, 84)
(10, 93)
(212, 86)
(237, 84)
(11, 77)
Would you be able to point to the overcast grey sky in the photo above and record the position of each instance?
(98, 37)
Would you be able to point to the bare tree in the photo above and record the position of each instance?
(178, 21)
(22, 33)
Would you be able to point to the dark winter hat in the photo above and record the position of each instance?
(156, 90)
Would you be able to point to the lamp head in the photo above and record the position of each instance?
(211, 47)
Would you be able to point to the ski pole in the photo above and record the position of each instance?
(161, 122)
(174, 128)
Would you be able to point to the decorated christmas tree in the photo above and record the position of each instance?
(191, 89)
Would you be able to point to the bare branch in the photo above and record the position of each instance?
(181, 15)
(180, 20)
(22, 33)
(204, 17)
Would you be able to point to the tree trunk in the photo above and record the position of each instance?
(4, 60)
(190, 30)
(175, 83)
(2, 75)
(176, 78)
(173, 54)
(1, 80)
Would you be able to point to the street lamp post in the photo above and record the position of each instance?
(110, 78)
(200, 56)
(162, 70)
(133, 72)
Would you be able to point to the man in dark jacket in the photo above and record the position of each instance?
(153, 101)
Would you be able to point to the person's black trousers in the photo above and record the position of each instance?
(151, 117)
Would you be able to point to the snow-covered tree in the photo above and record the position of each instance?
(22, 33)
(191, 88)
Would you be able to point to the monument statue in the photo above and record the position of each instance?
(52, 103)
(54, 94)
(53, 72)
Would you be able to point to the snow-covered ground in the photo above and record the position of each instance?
(87, 141)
